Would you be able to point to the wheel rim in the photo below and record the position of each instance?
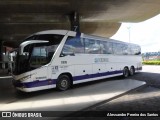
(131, 71)
(64, 83)
(126, 72)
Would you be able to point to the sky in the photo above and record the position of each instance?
(146, 34)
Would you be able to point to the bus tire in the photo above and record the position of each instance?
(63, 82)
(131, 71)
(125, 72)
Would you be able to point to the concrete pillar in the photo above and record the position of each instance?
(1, 53)
(74, 20)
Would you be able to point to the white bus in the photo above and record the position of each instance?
(61, 58)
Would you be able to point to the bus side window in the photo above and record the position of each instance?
(102, 48)
(92, 46)
(119, 49)
(115, 48)
(136, 50)
(129, 49)
(79, 46)
(107, 47)
(73, 45)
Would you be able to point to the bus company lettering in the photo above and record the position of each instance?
(101, 60)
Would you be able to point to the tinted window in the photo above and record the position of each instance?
(39, 56)
(125, 49)
(138, 51)
(39, 51)
(73, 45)
(92, 46)
(42, 54)
(135, 50)
(119, 49)
(115, 50)
(107, 47)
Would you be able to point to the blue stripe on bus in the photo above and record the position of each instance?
(96, 75)
(38, 83)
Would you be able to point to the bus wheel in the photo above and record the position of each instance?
(132, 71)
(63, 83)
(125, 72)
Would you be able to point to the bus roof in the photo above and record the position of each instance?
(60, 32)
(64, 32)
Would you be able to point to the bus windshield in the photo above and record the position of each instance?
(33, 54)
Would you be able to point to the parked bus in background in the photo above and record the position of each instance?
(61, 58)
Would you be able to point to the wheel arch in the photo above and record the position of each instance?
(126, 67)
(132, 66)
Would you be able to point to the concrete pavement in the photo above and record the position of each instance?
(145, 99)
(73, 99)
